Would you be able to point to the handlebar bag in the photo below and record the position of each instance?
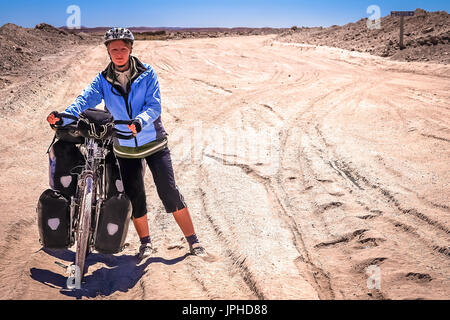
(69, 135)
(96, 123)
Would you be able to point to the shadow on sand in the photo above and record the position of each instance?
(120, 273)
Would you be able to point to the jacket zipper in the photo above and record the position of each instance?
(125, 98)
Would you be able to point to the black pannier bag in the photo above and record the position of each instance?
(53, 212)
(113, 223)
(65, 163)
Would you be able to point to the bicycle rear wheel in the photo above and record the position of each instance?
(84, 228)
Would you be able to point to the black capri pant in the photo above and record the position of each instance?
(160, 164)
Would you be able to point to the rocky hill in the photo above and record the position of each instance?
(20, 47)
(426, 37)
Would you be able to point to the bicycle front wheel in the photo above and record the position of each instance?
(84, 226)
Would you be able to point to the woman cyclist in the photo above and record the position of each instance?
(130, 90)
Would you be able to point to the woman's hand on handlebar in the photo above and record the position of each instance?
(135, 127)
(54, 119)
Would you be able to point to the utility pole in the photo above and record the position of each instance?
(402, 15)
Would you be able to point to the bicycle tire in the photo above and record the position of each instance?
(84, 228)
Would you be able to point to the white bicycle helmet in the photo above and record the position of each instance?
(118, 34)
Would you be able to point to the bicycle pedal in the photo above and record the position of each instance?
(61, 265)
(126, 245)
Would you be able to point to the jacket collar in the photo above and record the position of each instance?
(137, 68)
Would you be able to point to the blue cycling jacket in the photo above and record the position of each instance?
(141, 101)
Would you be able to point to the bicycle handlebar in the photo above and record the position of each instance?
(116, 132)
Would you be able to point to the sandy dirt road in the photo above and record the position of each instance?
(310, 172)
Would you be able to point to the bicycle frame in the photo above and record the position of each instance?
(85, 207)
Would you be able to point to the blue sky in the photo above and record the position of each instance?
(209, 13)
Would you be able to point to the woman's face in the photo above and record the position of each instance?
(119, 52)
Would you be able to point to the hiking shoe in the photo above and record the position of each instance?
(197, 249)
(145, 250)
(194, 245)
